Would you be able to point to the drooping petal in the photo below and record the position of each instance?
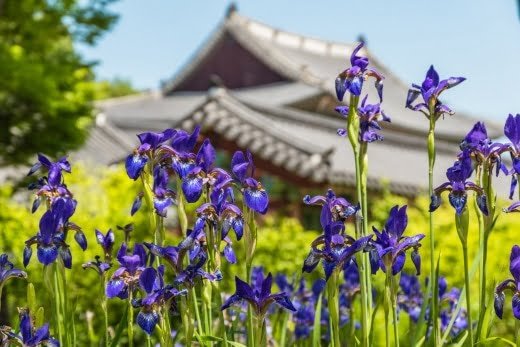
(192, 187)
(356, 85)
(47, 254)
(40, 336)
(283, 300)
(514, 263)
(147, 279)
(232, 300)
(230, 254)
(256, 199)
(147, 321)
(398, 264)
(516, 305)
(26, 326)
(482, 204)
(115, 287)
(134, 165)
(340, 87)
(458, 201)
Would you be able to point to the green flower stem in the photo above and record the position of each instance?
(148, 341)
(218, 295)
(250, 233)
(58, 319)
(193, 302)
(387, 308)
(517, 332)
(333, 302)
(393, 298)
(187, 322)
(259, 331)
(130, 330)
(468, 292)
(104, 308)
(432, 153)
(462, 223)
(361, 166)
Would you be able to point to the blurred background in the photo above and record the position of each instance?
(83, 77)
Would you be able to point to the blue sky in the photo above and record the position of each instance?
(477, 39)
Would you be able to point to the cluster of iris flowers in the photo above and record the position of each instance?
(174, 286)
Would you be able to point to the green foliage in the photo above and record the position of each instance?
(104, 199)
(117, 87)
(45, 86)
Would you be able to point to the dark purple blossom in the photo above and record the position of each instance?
(258, 295)
(156, 296)
(333, 208)
(458, 185)
(150, 141)
(334, 249)
(97, 265)
(221, 212)
(410, 299)
(512, 284)
(50, 239)
(54, 169)
(369, 117)
(194, 271)
(29, 336)
(430, 90)
(126, 277)
(182, 146)
(352, 79)
(391, 246)
(512, 131)
(254, 194)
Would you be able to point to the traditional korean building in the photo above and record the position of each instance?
(253, 86)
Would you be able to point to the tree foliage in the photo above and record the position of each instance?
(45, 85)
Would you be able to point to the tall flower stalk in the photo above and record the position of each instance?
(433, 109)
(360, 129)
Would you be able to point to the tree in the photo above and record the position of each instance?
(46, 88)
(106, 89)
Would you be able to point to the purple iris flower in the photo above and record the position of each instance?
(8, 271)
(484, 150)
(221, 211)
(512, 131)
(391, 245)
(512, 284)
(126, 277)
(150, 141)
(51, 194)
(30, 336)
(54, 169)
(369, 117)
(430, 90)
(258, 295)
(458, 185)
(50, 239)
(106, 242)
(333, 208)
(164, 197)
(449, 299)
(255, 195)
(156, 296)
(352, 79)
(204, 174)
(183, 158)
(334, 249)
(194, 271)
(97, 265)
(170, 254)
(410, 299)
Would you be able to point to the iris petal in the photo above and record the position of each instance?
(115, 288)
(147, 321)
(47, 254)
(192, 188)
(256, 199)
(134, 164)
